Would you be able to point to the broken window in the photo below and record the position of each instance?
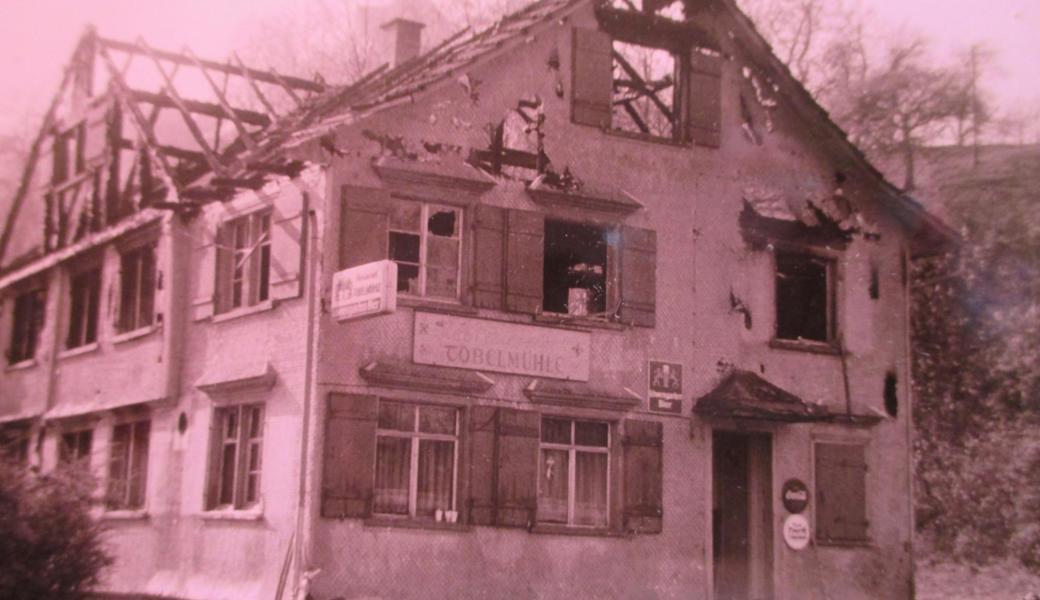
(644, 90)
(244, 262)
(128, 466)
(416, 454)
(425, 241)
(575, 271)
(804, 297)
(573, 472)
(235, 471)
(29, 312)
(84, 304)
(137, 289)
(75, 447)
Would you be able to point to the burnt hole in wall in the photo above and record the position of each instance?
(803, 297)
(891, 394)
(875, 283)
(575, 272)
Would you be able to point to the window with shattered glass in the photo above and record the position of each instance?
(425, 241)
(804, 298)
(645, 91)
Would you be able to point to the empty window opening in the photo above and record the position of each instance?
(29, 312)
(85, 297)
(804, 298)
(891, 394)
(644, 96)
(575, 271)
(416, 458)
(573, 472)
(425, 241)
(137, 289)
(75, 447)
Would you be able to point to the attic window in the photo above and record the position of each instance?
(575, 273)
(804, 298)
(644, 90)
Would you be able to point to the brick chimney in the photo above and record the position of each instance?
(407, 39)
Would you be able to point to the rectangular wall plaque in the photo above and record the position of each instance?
(483, 345)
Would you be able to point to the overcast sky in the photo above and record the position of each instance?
(37, 36)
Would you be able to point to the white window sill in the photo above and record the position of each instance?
(577, 322)
(22, 364)
(803, 345)
(243, 311)
(140, 332)
(254, 513)
(125, 515)
(445, 306)
(78, 350)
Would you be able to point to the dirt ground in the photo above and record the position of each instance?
(946, 581)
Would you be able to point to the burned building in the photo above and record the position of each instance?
(595, 302)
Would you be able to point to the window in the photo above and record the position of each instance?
(137, 289)
(425, 241)
(244, 262)
(804, 297)
(238, 455)
(841, 497)
(644, 91)
(84, 304)
(416, 460)
(14, 445)
(128, 466)
(75, 447)
(573, 474)
(29, 311)
(575, 269)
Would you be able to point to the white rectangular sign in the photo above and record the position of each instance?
(368, 289)
(483, 345)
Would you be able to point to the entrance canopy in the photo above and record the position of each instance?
(745, 395)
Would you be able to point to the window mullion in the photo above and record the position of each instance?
(242, 460)
(413, 473)
(424, 216)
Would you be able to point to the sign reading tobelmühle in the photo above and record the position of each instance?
(483, 345)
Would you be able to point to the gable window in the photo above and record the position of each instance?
(238, 445)
(75, 447)
(137, 289)
(244, 262)
(805, 304)
(416, 458)
(575, 269)
(84, 307)
(425, 240)
(573, 479)
(644, 90)
(29, 312)
(128, 466)
(841, 497)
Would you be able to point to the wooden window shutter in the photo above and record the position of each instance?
(205, 275)
(841, 511)
(223, 270)
(288, 237)
(525, 261)
(482, 425)
(348, 465)
(516, 489)
(638, 276)
(488, 256)
(704, 118)
(364, 220)
(592, 81)
(643, 444)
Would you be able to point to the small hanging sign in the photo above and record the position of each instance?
(795, 495)
(796, 532)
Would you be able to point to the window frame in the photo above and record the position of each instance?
(249, 261)
(426, 205)
(243, 443)
(137, 254)
(572, 449)
(830, 264)
(129, 456)
(75, 447)
(84, 307)
(415, 436)
(611, 269)
(680, 73)
(26, 328)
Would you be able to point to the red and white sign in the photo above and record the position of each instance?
(369, 289)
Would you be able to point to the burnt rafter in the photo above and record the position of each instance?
(163, 100)
(647, 90)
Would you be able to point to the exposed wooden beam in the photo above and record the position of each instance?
(231, 113)
(203, 108)
(242, 70)
(266, 77)
(637, 81)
